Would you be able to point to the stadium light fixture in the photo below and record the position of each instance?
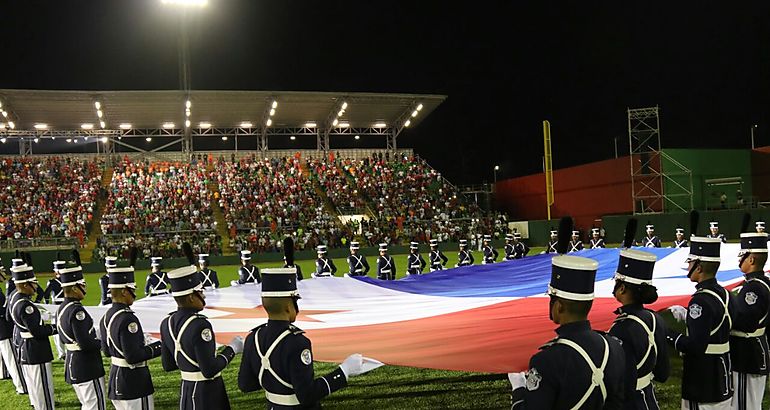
(408, 123)
(269, 122)
(274, 105)
(358, 137)
(1, 104)
(98, 105)
(272, 112)
(187, 123)
(224, 138)
(87, 126)
(380, 125)
(414, 113)
(69, 140)
(3, 140)
(2, 125)
(41, 126)
(246, 124)
(85, 138)
(292, 138)
(36, 140)
(419, 107)
(340, 112)
(148, 139)
(204, 125)
(310, 125)
(344, 125)
(5, 114)
(344, 105)
(199, 3)
(99, 113)
(168, 125)
(497, 167)
(125, 126)
(188, 104)
(335, 122)
(105, 139)
(11, 124)
(103, 124)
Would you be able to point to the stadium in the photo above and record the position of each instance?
(127, 172)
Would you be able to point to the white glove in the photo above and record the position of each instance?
(517, 380)
(148, 339)
(353, 365)
(233, 283)
(347, 275)
(237, 344)
(679, 313)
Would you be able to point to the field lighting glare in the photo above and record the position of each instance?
(199, 3)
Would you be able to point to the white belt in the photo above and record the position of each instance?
(282, 399)
(72, 347)
(159, 292)
(116, 361)
(718, 348)
(643, 381)
(26, 335)
(197, 376)
(358, 270)
(757, 333)
(415, 266)
(58, 300)
(384, 270)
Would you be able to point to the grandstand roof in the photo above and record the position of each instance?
(68, 110)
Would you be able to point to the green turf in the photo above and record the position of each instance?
(389, 387)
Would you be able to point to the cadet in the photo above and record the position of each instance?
(104, 281)
(188, 343)
(641, 331)
(575, 243)
(123, 341)
(248, 273)
(8, 353)
(357, 263)
(324, 266)
(760, 226)
(748, 341)
(157, 281)
(386, 267)
(706, 377)
(552, 243)
(83, 367)
(596, 240)
(714, 228)
(53, 293)
(33, 339)
(595, 361)
(208, 276)
(508, 248)
(490, 253)
(278, 357)
(520, 249)
(464, 257)
(415, 262)
(680, 241)
(651, 240)
(437, 258)
(288, 256)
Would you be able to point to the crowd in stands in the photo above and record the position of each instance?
(335, 177)
(48, 197)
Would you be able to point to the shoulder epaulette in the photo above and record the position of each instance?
(295, 330)
(548, 344)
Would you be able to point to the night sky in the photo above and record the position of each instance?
(505, 65)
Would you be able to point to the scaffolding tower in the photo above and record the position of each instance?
(659, 183)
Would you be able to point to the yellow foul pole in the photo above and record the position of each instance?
(548, 166)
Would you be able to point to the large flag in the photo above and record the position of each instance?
(487, 318)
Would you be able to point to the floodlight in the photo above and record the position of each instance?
(408, 123)
(272, 112)
(11, 124)
(246, 124)
(5, 114)
(105, 139)
(224, 138)
(41, 126)
(99, 113)
(188, 104)
(343, 125)
(87, 126)
(98, 105)
(414, 113)
(148, 139)
(380, 125)
(292, 138)
(36, 140)
(419, 107)
(205, 125)
(269, 122)
(187, 124)
(3, 140)
(125, 126)
(310, 125)
(345, 105)
(358, 137)
(199, 3)
(168, 125)
(69, 139)
(102, 124)
(275, 104)
(335, 122)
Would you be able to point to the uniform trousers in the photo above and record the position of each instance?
(12, 365)
(39, 379)
(91, 394)
(144, 403)
(693, 405)
(749, 389)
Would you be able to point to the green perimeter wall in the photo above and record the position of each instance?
(707, 164)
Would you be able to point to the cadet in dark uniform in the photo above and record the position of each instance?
(596, 240)
(83, 367)
(7, 351)
(356, 262)
(520, 249)
(209, 277)
(248, 273)
(680, 241)
(508, 248)
(552, 243)
(157, 282)
(386, 266)
(464, 257)
(575, 244)
(124, 342)
(760, 226)
(53, 293)
(748, 340)
(437, 258)
(581, 368)
(415, 263)
(104, 281)
(188, 343)
(706, 376)
(288, 257)
(490, 253)
(32, 335)
(279, 358)
(651, 240)
(714, 232)
(642, 331)
(324, 266)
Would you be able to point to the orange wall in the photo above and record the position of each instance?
(586, 192)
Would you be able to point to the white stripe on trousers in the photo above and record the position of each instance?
(749, 390)
(12, 365)
(39, 378)
(691, 405)
(91, 394)
(144, 403)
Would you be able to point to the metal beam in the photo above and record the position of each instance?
(331, 123)
(404, 121)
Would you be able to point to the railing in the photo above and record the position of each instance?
(58, 243)
(119, 236)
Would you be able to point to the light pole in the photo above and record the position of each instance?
(752, 135)
(497, 168)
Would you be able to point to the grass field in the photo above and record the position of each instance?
(389, 387)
